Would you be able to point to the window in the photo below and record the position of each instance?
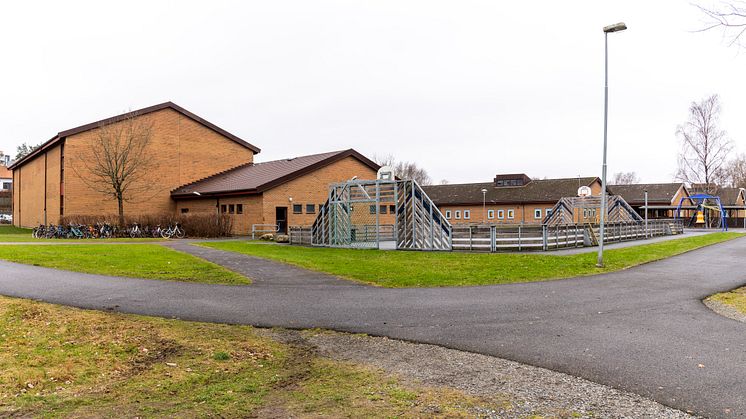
(537, 213)
(500, 214)
(458, 214)
(372, 209)
(239, 208)
(448, 214)
(184, 210)
(548, 212)
(6, 186)
(467, 214)
(392, 208)
(297, 208)
(310, 208)
(231, 209)
(490, 214)
(384, 209)
(223, 209)
(511, 214)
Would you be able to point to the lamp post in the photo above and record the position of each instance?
(617, 27)
(484, 206)
(646, 213)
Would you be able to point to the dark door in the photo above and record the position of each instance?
(281, 218)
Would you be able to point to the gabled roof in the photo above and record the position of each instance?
(167, 105)
(539, 191)
(728, 195)
(658, 193)
(254, 178)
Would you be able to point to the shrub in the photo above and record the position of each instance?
(195, 225)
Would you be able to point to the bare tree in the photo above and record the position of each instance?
(405, 169)
(704, 146)
(729, 16)
(25, 149)
(444, 182)
(625, 178)
(735, 172)
(118, 160)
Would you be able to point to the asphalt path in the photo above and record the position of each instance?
(643, 330)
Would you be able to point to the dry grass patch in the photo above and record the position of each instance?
(735, 299)
(59, 361)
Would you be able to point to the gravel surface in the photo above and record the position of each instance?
(725, 310)
(531, 391)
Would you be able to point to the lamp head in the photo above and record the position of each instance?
(617, 27)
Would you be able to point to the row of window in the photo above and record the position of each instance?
(383, 209)
(310, 208)
(228, 209)
(457, 214)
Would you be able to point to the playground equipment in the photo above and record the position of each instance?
(380, 214)
(708, 211)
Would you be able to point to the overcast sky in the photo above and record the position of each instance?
(467, 89)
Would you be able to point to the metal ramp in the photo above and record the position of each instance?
(380, 214)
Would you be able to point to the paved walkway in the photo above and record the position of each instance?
(643, 330)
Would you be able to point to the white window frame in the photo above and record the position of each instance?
(491, 214)
(467, 214)
(448, 214)
(457, 214)
(548, 212)
(537, 213)
(511, 214)
(500, 214)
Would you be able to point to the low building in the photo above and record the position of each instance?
(508, 199)
(663, 198)
(54, 180)
(282, 193)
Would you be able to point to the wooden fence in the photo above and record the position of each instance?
(494, 238)
(497, 238)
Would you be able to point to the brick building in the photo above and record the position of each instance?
(6, 186)
(287, 192)
(508, 199)
(49, 182)
(198, 167)
(663, 198)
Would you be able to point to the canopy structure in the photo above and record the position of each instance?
(587, 210)
(380, 214)
(708, 211)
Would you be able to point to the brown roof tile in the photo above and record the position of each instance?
(259, 177)
(540, 191)
(658, 193)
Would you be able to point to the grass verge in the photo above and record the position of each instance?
(432, 269)
(735, 299)
(149, 261)
(65, 362)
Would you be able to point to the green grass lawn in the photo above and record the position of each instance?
(64, 362)
(11, 234)
(150, 261)
(433, 269)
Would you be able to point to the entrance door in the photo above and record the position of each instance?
(281, 218)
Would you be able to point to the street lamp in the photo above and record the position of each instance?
(617, 27)
(484, 206)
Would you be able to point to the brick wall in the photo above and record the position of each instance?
(183, 151)
(312, 188)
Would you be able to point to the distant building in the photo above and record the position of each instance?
(663, 198)
(6, 185)
(508, 199)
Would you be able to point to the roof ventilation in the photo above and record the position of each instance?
(516, 179)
